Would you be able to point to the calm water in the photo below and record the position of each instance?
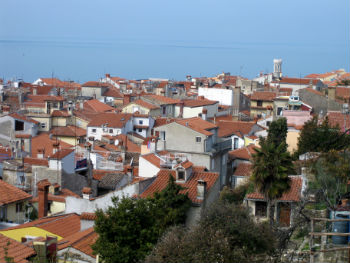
(83, 60)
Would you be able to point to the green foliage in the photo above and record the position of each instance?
(237, 194)
(33, 215)
(277, 133)
(271, 167)
(331, 170)
(315, 137)
(226, 233)
(130, 228)
(6, 256)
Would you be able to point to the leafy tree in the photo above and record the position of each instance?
(315, 137)
(271, 166)
(226, 233)
(130, 228)
(277, 133)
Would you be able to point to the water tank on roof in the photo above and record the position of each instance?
(340, 227)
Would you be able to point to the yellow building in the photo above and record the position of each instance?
(142, 107)
(262, 103)
(13, 203)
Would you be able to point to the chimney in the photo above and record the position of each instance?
(43, 190)
(201, 189)
(204, 114)
(126, 99)
(87, 193)
(108, 76)
(41, 153)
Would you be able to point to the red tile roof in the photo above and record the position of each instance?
(190, 185)
(95, 84)
(263, 95)
(88, 216)
(68, 131)
(336, 118)
(97, 106)
(153, 158)
(10, 194)
(243, 169)
(112, 120)
(59, 155)
(162, 100)
(244, 153)
(198, 124)
(113, 92)
(60, 113)
(303, 81)
(36, 161)
(240, 128)
(293, 195)
(314, 91)
(343, 92)
(159, 121)
(23, 118)
(81, 241)
(43, 98)
(144, 104)
(43, 141)
(62, 225)
(16, 250)
(198, 103)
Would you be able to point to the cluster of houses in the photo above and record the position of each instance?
(67, 148)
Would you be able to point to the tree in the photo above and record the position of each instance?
(277, 133)
(315, 137)
(130, 228)
(271, 166)
(225, 233)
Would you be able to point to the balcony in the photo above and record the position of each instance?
(223, 145)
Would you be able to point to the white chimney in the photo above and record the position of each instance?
(201, 189)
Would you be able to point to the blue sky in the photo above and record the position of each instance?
(83, 39)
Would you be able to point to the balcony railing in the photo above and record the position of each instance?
(223, 144)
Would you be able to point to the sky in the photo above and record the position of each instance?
(82, 40)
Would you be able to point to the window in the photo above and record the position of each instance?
(180, 175)
(162, 135)
(279, 111)
(164, 110)
(134, 129)
(260, 209)
(235, 143)
(198, 139)
(43, 125)
(259, 103)
(19, 207)
(140, 121)
(268, 123)
(110, 130)
(19, 125)
(140, 130)
(93, 130)
(54, 105)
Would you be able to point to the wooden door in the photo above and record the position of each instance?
(284, 216)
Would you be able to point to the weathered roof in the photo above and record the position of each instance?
(68, 131)
(19, 252)
(293, 195)
(190, 185)
(11, 194)
(240, 128)
(97, 106)
(198, 124)
(243, 169)
(144, 104)
(244, 153)
(111, 120)
(23, 118)
(263, 95)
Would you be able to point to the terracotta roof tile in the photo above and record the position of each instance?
(198, 124)
(304, 81)
(159, 121)
(23, 118)
(10, 194)
(190, 185)
(16, 250)
(61, 225)
(59, 155)
(263, 95)
(112, 120)
(88, 216)
(240, 128)
(314, 91)
(161, 99)
(97, 106)
(113, 92)
(43, 141)
(144, 104)
(60, 113)
(68, 131)
(198, 103)
(243, 169)
(343, 92)
(244, 153)
(36, 161)
(94, 84)
(336, 118)
(292, 195)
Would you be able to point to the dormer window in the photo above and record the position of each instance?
(180, 174)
